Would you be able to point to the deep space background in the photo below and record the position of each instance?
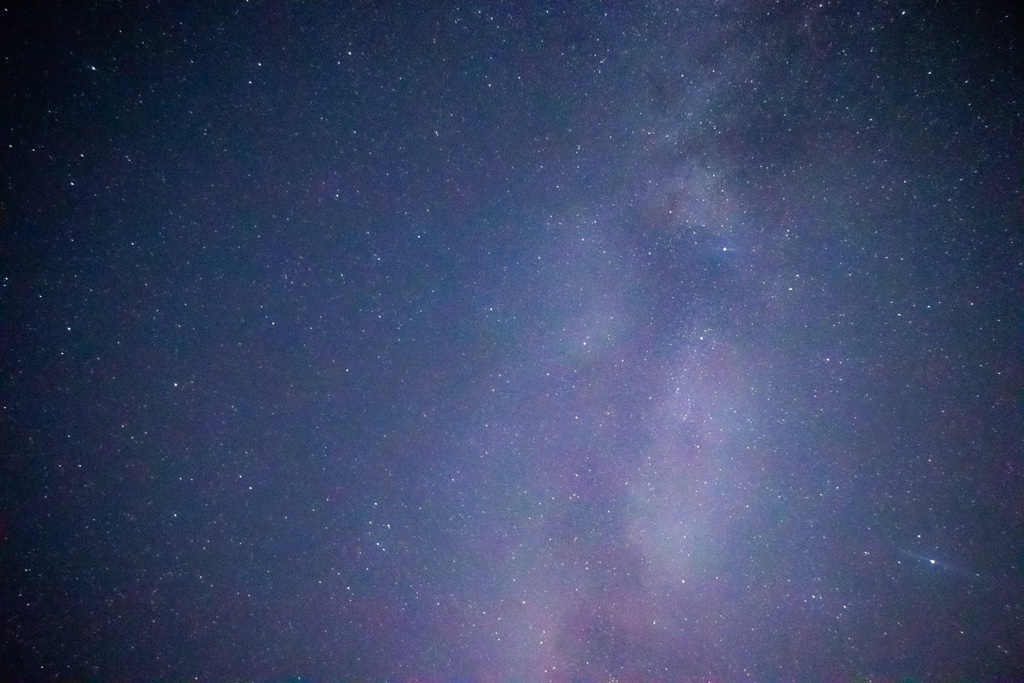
(435, 341)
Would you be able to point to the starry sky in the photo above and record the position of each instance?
(511, 341)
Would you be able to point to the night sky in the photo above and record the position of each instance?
(522, 341)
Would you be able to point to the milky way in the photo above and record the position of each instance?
(523, 341)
